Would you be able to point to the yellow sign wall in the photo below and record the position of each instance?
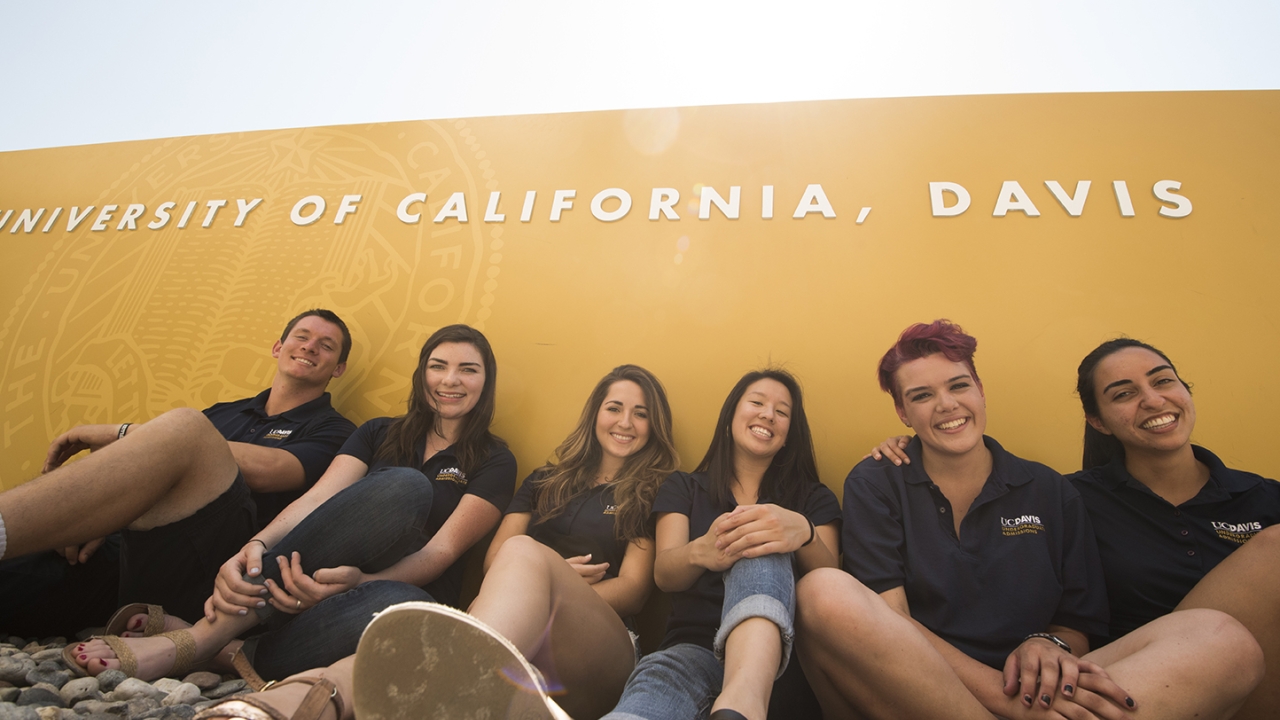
(698, 242)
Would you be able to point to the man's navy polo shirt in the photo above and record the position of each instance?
(1153, 553)
(695, 612)
(311, 432)
(494, 481)
(1025, 558)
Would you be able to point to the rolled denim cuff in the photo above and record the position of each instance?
(758, 606)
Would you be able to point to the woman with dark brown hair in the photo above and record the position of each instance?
(389, 521)
(571, 563)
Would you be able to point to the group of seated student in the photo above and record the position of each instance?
(974, 583)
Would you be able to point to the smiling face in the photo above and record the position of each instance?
(762, 419)
(943, 404)
(454, 379)
(309, 352)
(622, 423)
(1142, 402)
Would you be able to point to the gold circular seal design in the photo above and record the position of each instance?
(123, 324)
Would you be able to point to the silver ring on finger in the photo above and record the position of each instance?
(298, 606)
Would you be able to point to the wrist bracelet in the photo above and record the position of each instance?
(124, 427)
(1051, 638)
(813, 533)
(264, 547)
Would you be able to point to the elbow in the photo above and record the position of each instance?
(669, 584)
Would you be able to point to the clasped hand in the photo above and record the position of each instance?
(234, 595)
(753, 531)
(1046, 681)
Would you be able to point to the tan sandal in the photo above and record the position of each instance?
(119, 622)
(182, 662)
(250, 707)
(423, 660)
(241, 663)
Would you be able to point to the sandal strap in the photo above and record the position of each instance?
(322, 692)
(128, 661)
(186, 646)
(155, 621)
(119, 621)
(241, 663)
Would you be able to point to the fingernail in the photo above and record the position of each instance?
(1026, 699)
(1128, 701)
(242, 611)
(1046, 699)
(1067, 689)
(261, 604)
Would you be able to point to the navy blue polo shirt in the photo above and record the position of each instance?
(1025, 557)
(494, 481)
(311, 432)
(1153, 552)
(584, 527)
(695, 612)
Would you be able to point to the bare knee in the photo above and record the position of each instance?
(524, 550)
(187, 419)
(1225, 643)
(1265, 543)
(827, 598)
(1237, 646)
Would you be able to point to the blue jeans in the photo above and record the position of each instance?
(681, 682)
(371, 525)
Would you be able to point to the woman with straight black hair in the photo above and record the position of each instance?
(732, 537)
(1177, 529)
(388, 522)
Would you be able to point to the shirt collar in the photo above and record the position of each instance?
(258, 404)
(1005, 473)
(1223, 481)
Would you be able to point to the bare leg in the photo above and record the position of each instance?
(161, 472)
(1246, 586)
(751, 657)
(864, 660)
(1188, 664)
(530, 589)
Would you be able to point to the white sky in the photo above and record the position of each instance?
(79, 72)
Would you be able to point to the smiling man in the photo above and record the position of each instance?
(187, 489)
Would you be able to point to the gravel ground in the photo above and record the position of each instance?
(35, 684)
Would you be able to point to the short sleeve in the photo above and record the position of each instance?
(873, 538)
(821, 507)
(1084, 604)
(525, 499)
(495, 479)
(318, 444)
(675, 495)
(363, 443)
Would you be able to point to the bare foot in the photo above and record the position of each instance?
(155, 656)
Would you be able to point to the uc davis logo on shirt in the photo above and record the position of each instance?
(1024, 525)
(453, 475)
(277, 434)
(1237, 532)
